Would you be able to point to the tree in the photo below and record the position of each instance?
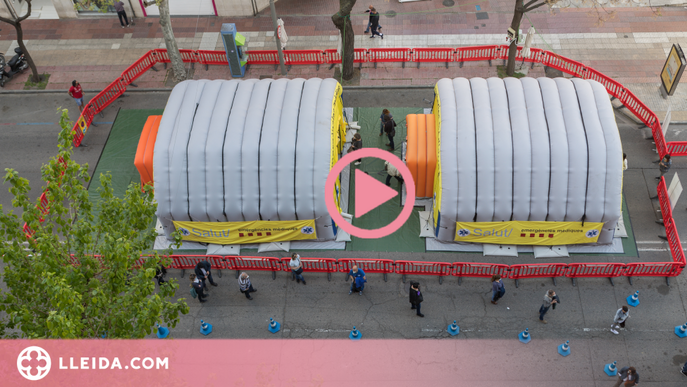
(15, 21)
(520, 9)
(342, 21)
(170, 42)
(78, 276)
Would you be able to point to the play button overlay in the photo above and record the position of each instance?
(370, 193)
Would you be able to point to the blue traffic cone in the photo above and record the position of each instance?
(524, 336)
(633, 300)
(610, 369)
(162, 332)
(564, 349)
(205, 328)
(274, 326)
(681, 330)
(453, 329)
(355, 334)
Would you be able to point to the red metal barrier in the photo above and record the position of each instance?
(654, 269)
(368, 265)
(480, 270)
(303, 57)
(315, 265)
(332, 56)
(466, 54)
(263, 57)
(239, 263)
(669, 223)
(538, 270)
(190, 261)
(440, 269)
(208, 57)
(608, 270)
(433, 55)
(378, 55)
(677, 148)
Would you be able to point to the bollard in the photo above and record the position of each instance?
(610, 369)
(355, 334)
(205, 328)
(274, 326)
(681, 330)
(633, 300)
(161, 332)
(564, 349)
(524, 336)
(453, 329)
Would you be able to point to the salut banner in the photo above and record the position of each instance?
(528, 233)
(259, 231)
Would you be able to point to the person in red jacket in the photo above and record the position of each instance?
(76, 93)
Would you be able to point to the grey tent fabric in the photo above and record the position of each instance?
(530, 150)
(244, 150)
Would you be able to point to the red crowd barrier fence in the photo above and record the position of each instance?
(537, 270)
(653, 269)
(301, 57)
(384, 266)
(377, 55)
(332, 56)
(433, 55)
(441, 269)
(672, 236)
(481, 270)
(314, 265)
(239, 263)
(607, 270)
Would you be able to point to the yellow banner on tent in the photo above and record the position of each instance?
(259, 231)
(528, 233)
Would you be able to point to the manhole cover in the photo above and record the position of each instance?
(482, 15)
(476, 27)
(150, 24)
(390, 14)
(448, 3)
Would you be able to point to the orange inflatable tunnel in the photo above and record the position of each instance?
(421, 156)
(146, 149)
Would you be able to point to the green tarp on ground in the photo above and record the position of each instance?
(119, 153)
(405, 239)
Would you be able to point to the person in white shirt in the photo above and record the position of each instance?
(296, 268)
(245, 286)
(619, 321)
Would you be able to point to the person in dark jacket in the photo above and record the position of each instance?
(203, 272)
(664, 166)
(497, 288)
(390, 129)
(627, 376)
(369, 22)
(199, 286)
(415, 297)
(374, 24)
(160, 273)
(356, 143)
(386, 115)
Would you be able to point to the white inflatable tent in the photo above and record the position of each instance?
(526, 150)
(247, 150)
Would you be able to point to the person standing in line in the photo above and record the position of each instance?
(203, 272)
(415, 297)
(374, 24)
(77, 93)
(296, 268)
(390, 129)
(497, 288)
(198, 286)
(627, 376)
(619, 321)
(392, 172)
(119, 7)
(160, 273)
(386, 114)
(369, 21)
(664, 166)
(358, 280)
(550, 298)
(356, 143)
(245, 286)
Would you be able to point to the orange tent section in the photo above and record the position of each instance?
(421, 156)
(146, 149)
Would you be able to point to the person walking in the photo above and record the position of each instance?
(198, 286)
(550, 298)
(664, 166)
(358, 280)
(415, 297)
(296, 268)
(619, 321)
(392, 172)
(683, 369)
(497, 288)
(77, 93)
(374, 24)
(356, 143)
(382, 120)
(390, 129)
(627, 376)
(245, 286)
(203, 272)
(119, 7)
(369, 21)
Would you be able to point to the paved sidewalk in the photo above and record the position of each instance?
(631, 47)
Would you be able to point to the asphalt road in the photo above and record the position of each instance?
(323, 309)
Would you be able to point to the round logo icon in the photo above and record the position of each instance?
(184, 231)
(378, 232)
(33, 363)
(463, 232)
(592, 233)
(307, 230)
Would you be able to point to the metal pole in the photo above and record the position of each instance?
(276, 38)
